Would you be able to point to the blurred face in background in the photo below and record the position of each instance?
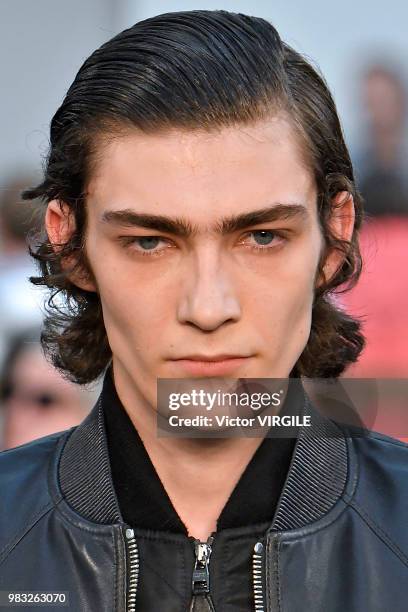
(39, 401)
(384, 100)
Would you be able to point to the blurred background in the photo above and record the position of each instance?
(362, 50)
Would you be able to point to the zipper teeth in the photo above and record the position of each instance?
(257, 559)
(133, 574)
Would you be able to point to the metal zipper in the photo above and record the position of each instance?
(200, 585)
(257, 577)
(201, 574)
(133, 571)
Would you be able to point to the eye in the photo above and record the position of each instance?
(145, 245)
(148, 243)
(265, 240)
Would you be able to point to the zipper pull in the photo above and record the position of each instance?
(201, 575)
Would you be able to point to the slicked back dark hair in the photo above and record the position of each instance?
(191, 70)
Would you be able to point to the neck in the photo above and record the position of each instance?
(189, 468)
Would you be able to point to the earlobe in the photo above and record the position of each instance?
(60, 226)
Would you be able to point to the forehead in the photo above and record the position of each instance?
(201, 174)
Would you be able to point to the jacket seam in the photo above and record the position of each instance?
(10, 546)
(297, 534)
(272, 575)
(386, 440)
(278, 574)
(96, 529)
(51, 504)
(379, 532)
(171, 586)
(268, 580)
(115, 574)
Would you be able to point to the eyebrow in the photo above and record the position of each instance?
(181, 227)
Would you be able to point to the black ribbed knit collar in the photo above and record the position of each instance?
(142, 498)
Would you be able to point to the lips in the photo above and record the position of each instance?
(220, 357)
(216, 365)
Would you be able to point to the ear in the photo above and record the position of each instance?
(342, 224)
(60, 225)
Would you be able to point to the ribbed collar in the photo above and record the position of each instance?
(315, 480)
(142, 498)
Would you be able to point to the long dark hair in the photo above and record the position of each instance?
(189, 70)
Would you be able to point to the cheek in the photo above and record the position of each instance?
(130, 311)
(282, 293)
(285, 307)
(135, 313)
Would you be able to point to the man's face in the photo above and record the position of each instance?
(244, 290)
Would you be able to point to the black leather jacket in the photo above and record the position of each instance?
(338, 541)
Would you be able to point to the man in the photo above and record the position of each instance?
(200, 207)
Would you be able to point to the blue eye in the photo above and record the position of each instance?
(265, 241)
(263, 237)
(145, 245)
(258, 241)
(148, 242)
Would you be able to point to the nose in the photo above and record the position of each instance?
(208, 299)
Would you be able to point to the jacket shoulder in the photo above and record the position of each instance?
(381, 495)
(24, 473)
(381, 456)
